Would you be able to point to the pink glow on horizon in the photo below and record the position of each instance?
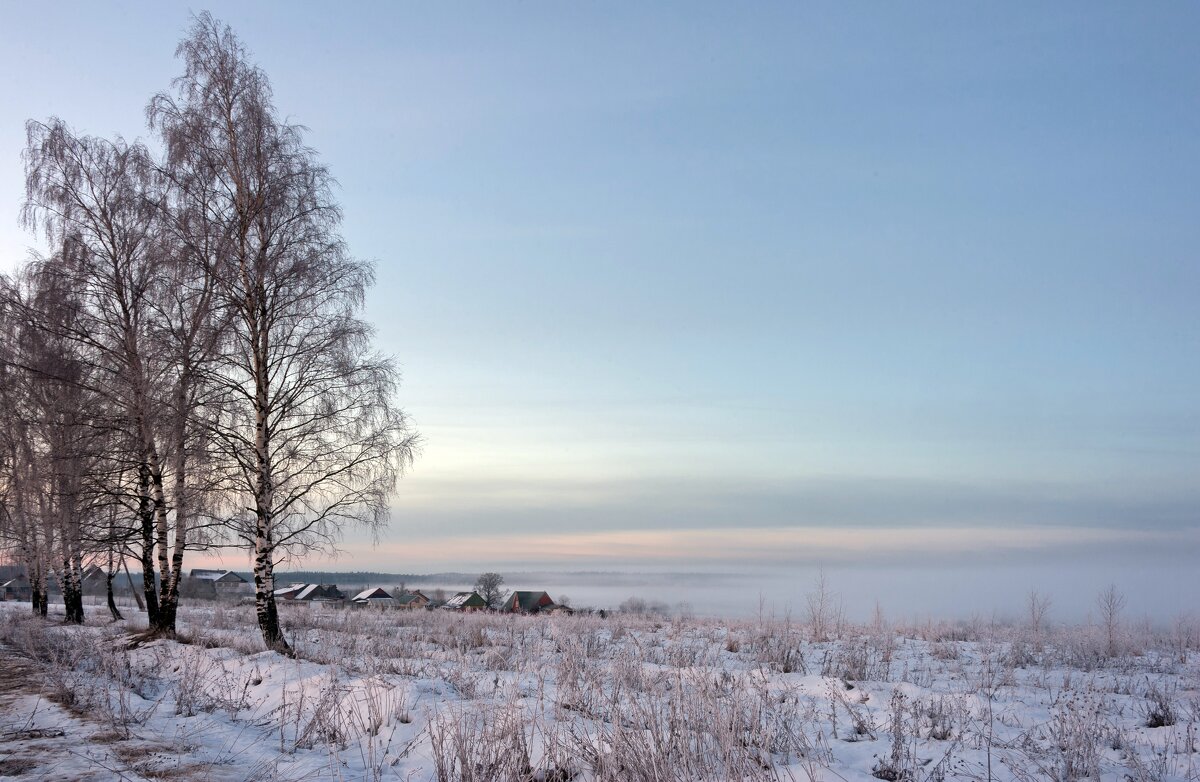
(742, 546)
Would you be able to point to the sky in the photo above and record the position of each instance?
(901, 292)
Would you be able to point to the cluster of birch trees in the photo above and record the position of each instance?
(187, 367)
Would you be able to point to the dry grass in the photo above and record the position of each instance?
(640, 698)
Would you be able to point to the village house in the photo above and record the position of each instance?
(94, 581)
(378, 597)
(289, 592)
(216, 583)
(311, 593)
(526, 603)
(411, 600)
(467, 602)
(16, 589)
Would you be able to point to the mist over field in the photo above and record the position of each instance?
(910, 593)
(1158, 593)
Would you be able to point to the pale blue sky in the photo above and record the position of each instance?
(735, 268)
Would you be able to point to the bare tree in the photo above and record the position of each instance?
(20, 523)
(1111, 603)
(634, 605)
(1038, 607)
(821, 613)
(490, 587)
(190, 332)
(878, 620)
(98, 198)
(306, 423)
(51, 450)
(111, 556)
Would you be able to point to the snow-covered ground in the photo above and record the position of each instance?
(432, 695)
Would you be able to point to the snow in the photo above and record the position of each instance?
(308, 590)
(459, 599)
(409, 695)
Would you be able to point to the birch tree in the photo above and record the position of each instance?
(307, 424)
(90, 193)
(20, 524)
(1111, 603)
(52, 437)
(148, 318)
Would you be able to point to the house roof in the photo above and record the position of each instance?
(466, 600)
(377, 593)
(217, 575)
(319, 592)
(409, 597)
(528, 601)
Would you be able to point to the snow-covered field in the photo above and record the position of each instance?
(440, 696)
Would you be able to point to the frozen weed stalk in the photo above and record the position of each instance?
(481, 745)
(1158, 709)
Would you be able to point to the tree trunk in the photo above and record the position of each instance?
(264, 490)
(37, 590)
(112, 603)
(168, 604)
(72, 594)
(164, 620)
(146, 513)
(38, 600)
(133, 589)
(168, 608)
(77, 580)
(264, 600)
(172, 569)
(73, 606)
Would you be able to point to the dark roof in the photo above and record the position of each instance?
(310, 592)
(409, 597)
(466, 600)
(227, 576)
(528, 601)
(289, 591)
(321, 592)
(378, 593)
